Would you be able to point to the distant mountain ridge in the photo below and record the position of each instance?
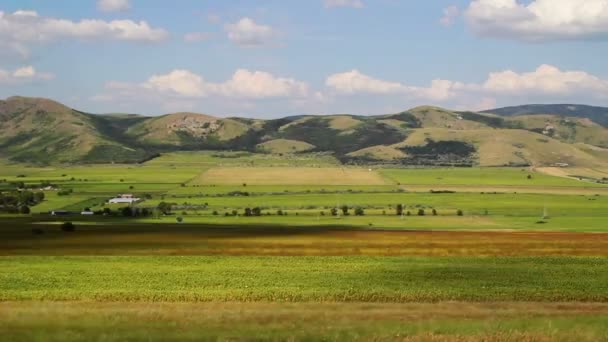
(594, 113)
(43, 131)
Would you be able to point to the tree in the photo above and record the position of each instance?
(126, 211)
(409, 213)
(107, 211)
(334, 212)
(68, 227)
(399, 209)
(215, 213)
(434, 212)
(179, 219)
(39, 196)
(164, 208)
(459, 212)
(345, 210)
(280, 212)
(257, 211)
(359, 211)
(25, 210)
(248, 212)
(421, 212)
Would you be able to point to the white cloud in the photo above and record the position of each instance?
(243, 84)
(548, 80)
(344, 3)
(247, 33)
(354, 82)
(450, 14)
(260, 84)
(195, 37)
(113, 5)
(20, 29)
(178, 82)
(23, 74)
(539, 20)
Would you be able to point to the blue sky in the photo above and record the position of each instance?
(275, 58)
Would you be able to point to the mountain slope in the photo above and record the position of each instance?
(596, 114)
(43, 131)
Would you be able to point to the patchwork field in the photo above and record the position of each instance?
(333, 253)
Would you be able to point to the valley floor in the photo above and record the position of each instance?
(500, 254)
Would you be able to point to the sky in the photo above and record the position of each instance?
(274, 58)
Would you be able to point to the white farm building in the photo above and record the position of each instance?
(123, 199)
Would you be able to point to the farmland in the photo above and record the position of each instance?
(337, 252)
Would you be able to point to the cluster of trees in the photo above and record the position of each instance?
(125, 212)
(19, 201)
(345, 211)
(400, 211)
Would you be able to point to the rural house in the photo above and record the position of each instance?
(123, 199)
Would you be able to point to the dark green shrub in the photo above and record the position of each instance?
(68, 227)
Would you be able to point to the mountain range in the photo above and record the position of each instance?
(42, 131)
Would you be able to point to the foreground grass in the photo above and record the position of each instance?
(455, 321)
(294, 279)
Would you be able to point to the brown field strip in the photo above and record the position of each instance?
(273, 241)
(260, 312)
(444, 321)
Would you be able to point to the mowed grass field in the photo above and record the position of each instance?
(525, 261)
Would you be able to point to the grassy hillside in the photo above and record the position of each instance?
(44, 131)
(596, 114)
(509, 147)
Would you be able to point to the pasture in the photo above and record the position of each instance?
(499, 254)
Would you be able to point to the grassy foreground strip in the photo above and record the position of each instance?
(446, 321)
(293, 279)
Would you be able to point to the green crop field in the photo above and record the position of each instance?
(480, 177)
(499, 254)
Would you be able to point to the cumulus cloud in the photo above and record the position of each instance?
(247, 33)
(539, 20)
(343, 3)
(20, 29)
(243, 84)
(179, 82)
(354, 82)
(23, 74)
(113, 5)
(546, 82)
(450, 14)
(260, 84)
(546, 79)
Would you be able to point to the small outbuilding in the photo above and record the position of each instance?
(124, 199)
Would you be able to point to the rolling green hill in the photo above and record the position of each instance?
(42, 131)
